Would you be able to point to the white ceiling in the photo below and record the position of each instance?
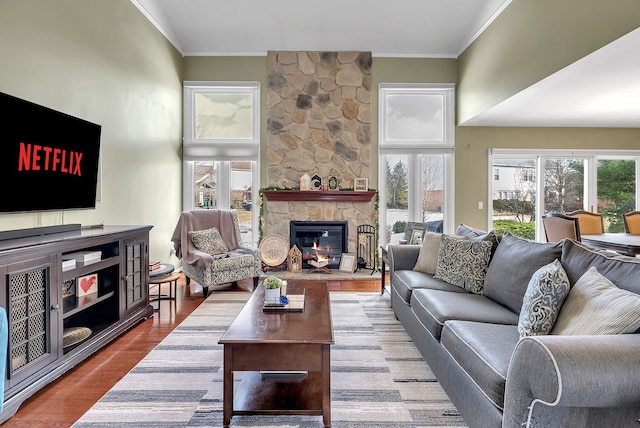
(602, 89)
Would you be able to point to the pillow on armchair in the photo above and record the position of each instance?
(208, 241)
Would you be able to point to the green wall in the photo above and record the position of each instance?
(103, 61)
(531, 40)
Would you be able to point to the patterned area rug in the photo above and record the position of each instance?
(378, 378)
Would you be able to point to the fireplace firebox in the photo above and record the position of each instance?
(320, 240)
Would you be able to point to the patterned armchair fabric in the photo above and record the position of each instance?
(215, 271)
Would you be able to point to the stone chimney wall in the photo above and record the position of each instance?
(319, 122)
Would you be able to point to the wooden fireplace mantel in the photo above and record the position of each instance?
(318, 195)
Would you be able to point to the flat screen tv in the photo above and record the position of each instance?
(48, 159)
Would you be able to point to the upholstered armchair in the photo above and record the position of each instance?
(590, 223)
(632, 222)
(558, 226)
(212, 252)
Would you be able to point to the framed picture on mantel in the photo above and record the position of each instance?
(361, 184)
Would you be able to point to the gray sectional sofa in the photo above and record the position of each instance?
(495, 377)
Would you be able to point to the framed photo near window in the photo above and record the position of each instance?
(347, 263)
(416, 237)
(361, 184)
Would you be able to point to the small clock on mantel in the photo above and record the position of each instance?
(333, 183)
(316, 182)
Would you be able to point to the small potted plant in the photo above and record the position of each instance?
(272, 287)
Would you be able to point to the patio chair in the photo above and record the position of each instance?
(212, 252)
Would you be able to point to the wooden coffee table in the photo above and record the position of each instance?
(285, 357)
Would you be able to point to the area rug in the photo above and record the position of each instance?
(378, 378)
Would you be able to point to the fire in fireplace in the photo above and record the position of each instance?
(318, 240)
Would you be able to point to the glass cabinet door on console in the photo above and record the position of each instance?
(33, 317)
(135, 276)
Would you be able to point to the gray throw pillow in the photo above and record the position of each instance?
(543, 299)
(480, 235)
(511, 268)
(428, 257)
(208, 241)
(596, 306)
(463, 263)
(469, 232)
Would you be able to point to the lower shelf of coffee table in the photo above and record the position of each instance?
(290, 393)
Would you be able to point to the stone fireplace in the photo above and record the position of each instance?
(318, 123)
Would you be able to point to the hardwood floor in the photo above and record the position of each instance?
(63, 401)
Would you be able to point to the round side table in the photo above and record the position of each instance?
(164, 275)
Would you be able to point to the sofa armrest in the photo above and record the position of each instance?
(572, 372)
(402, 257)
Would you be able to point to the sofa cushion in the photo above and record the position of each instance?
(208, 241)
(596, 306)
(577, 258)
(428, 256)
(543, 299)
(463, 263)
(405, 281)
(435, 307)
(511, 268)
(483, 351)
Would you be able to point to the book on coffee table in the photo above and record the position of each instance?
(296, 304)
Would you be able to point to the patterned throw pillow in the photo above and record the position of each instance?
(208, 241)
(547, 290)
(463, 263)
(595, 305)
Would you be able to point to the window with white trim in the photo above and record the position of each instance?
(603, 181)
(415, 171)
(221, 149)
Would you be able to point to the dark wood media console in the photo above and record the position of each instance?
(45, 307)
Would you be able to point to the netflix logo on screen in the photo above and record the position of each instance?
(48, 159)
(45, 158)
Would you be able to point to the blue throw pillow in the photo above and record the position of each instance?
(545, 294)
